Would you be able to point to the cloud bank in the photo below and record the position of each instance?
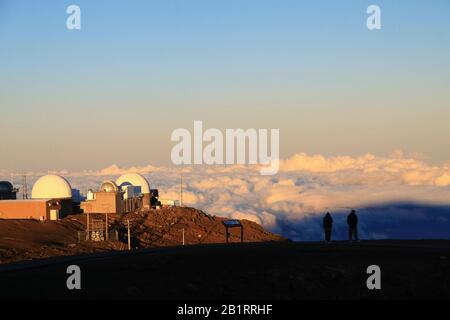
(397, 196)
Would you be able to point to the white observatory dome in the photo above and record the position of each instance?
(51, 187)
(134, 179)
(109, 186)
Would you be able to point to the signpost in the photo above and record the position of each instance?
(233, 224)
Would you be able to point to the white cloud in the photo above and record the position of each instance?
(116, 170)
(443, 180)
(305, 187)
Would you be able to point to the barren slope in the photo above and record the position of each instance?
(27, 239)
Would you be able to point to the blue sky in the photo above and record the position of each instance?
(139, 69)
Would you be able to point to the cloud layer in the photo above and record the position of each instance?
(390, 193)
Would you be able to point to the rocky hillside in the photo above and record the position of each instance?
(165, 228)
(26, 239)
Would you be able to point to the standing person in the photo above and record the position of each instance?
(327, 226)
(352, 221)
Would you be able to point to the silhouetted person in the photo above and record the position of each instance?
(352, 221)
(327, 226)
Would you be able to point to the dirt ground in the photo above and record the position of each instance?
(276, 270)
(27, 240)
(34, 257)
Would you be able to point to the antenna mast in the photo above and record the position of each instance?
(24, 186)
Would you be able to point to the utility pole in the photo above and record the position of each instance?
(183, 236)
(181, 190)
(129, 235)
(87, 226)
(107, 227)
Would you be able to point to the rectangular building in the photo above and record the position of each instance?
(104, 202)
(38, 209)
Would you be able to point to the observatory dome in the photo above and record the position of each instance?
(51, 187)
(6, 186)
(109, 186)
(134, 179)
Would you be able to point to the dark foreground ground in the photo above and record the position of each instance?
(410, 270)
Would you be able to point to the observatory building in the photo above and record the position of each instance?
(51, 200)
(108, 199)
(7, 191)
(137, 180)
(56, 188)
(129, 193)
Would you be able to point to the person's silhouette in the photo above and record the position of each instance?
(352, 221)
(327, 226)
